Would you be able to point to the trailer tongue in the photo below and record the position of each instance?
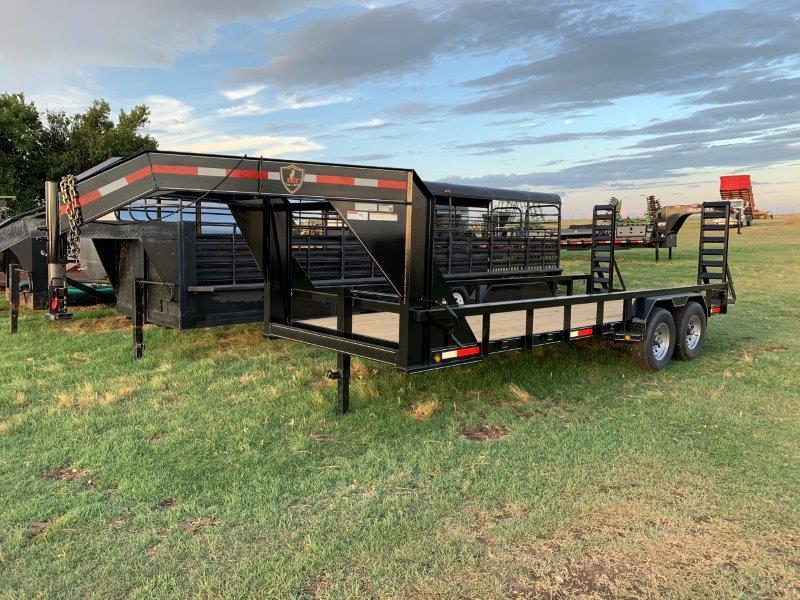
(452, 273)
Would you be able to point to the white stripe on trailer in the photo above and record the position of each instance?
(113, 186)
(366, 182)
(449, 354)
(310, 178)
(212, 171)
(273, 175)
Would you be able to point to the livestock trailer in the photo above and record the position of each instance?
(448, 274)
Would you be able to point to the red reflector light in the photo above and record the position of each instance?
(470, 351)
(715, 310)
(461, 352)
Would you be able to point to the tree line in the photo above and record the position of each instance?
(36, 146)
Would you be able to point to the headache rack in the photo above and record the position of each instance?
(376, 263)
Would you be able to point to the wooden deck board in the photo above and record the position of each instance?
(386, 326)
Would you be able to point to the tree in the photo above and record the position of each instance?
(617, 204)
(32, 150)
(653, 208)
(22, 156)
(84, 140)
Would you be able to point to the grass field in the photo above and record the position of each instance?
(216, 467)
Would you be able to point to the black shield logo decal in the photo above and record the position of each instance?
(292, 178)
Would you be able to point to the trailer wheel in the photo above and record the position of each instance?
(690, 321)
(655, 350)
(461, 296)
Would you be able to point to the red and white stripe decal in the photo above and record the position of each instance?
(582, 332)
(461, 352)
(104, 190)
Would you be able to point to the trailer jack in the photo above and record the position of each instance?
(57, 307)
(342, 378)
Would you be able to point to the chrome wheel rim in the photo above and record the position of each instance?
(661, 340)
(693, 331)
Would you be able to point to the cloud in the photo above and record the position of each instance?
(368, 158)
(284, 102)
(587, 71)
(176, 127)
(243, 92)
(396, 40)
(141, 34)
(657, 164)
(256, 145)
(367, 125)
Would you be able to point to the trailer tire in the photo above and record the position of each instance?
(655, 350)
(690, 321)
(461, 296)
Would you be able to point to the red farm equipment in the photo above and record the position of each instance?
(739, 187)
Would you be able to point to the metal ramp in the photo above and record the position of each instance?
(712, 266)
(604, 241)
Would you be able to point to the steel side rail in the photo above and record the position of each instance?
(467, 310)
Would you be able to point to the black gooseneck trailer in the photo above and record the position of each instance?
(421, 276)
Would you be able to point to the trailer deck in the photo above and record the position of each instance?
(385, 326)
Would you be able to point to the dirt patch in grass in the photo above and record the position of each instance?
(240, 340)
(628, 550)
(196, 525)
(165, 504)
(89, 325)
(65, 473)
(483, 433)
(38, 528)
(774, 347)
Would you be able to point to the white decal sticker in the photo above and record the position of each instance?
(382, 217)
(386, 208)
(368, 206)
(357, 215)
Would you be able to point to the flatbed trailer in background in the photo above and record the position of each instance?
(447, 275)
(659, 235)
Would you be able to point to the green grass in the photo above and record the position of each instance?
(216, 467)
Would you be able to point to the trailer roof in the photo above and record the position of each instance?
(443, 189)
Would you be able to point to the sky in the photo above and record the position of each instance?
(582, 98)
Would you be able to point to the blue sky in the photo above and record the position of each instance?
(582, 98)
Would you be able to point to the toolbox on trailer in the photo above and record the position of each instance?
(376, 263)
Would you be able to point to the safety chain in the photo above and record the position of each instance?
(69, 198)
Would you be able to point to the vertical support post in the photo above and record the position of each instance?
(568, 312)
(657, 251)
(13, 288)
(139, 306)
(529, 329)
(266, 257)
(670, 252)
(600, 316)
(344, 323)
(486, 328)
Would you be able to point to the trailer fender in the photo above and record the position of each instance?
(642, 307)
